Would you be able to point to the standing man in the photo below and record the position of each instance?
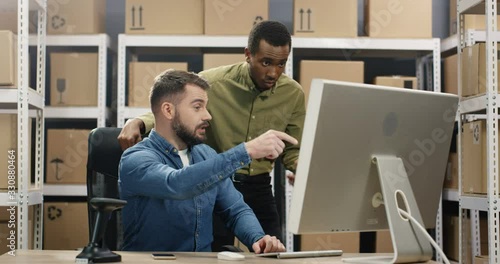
(246, 100)
(173, 184)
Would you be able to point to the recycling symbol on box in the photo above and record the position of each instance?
(54, 212)
(58, 22)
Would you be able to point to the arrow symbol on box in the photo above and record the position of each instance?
(140, 16)
(301, 11)
(309, 19)
(133, 16)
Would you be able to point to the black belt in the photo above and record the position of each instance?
(263, 178)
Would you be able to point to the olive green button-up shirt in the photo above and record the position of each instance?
(240, 112)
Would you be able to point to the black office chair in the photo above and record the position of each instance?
(104, 153)
(105, 231)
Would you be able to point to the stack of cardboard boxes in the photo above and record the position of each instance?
(190, 17)
(73, 75)
(474, 151)
(385, 19)
(8, 122)
(73, 79)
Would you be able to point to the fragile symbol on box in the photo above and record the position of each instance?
(301, 14)
(61, 87)
(139, 18)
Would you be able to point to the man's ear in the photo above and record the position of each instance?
(168, 110)
(247, 54)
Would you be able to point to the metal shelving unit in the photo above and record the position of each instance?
(421, 49)
(65, 190)
(489, 104)
(99, 112)
(21, 101)
(450, 195)
(370, 46)
(150, 41)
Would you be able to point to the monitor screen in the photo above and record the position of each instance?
(347, 127)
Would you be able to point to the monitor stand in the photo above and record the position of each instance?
(409, 244)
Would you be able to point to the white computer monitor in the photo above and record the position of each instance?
(354, 136)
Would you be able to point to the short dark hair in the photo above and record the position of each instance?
(170, 85)
(273, 32)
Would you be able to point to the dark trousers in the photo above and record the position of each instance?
(258, 194)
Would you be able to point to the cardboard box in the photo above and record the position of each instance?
(212, 60)
(141, 79)
(5, 233)
(8, 21)
(397, 18)
(383, 242)
(66, 160)
(325, 18)
(474, 171)
(473, 148)
(229, 17)
(183, 17)
(451, 178)
(477, 22)
(473, 67)
(65, 226)
(7, 227)
(451, 237)
(348, 242)
(6, 213)
(349, 71)
(451, 74)
(73, 79)
(481, 259)
(76, 16)
(397, 81)
(8, 142)
(8, 59)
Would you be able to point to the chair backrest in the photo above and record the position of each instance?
(104, 155)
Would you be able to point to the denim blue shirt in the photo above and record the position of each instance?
(170, 207)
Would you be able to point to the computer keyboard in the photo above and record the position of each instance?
(302, 254)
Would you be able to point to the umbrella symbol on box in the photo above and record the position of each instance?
(57, 161)
(258, 19)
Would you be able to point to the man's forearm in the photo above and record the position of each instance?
(148, 122)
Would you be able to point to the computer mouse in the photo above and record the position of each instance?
(227, 255)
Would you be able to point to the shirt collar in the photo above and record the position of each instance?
(162, 142)
(245, 73)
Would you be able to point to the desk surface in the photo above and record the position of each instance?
(56, 256)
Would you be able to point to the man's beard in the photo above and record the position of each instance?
(183, 133)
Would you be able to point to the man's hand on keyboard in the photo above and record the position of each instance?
(268, 244)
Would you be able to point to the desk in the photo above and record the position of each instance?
(62, 256)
